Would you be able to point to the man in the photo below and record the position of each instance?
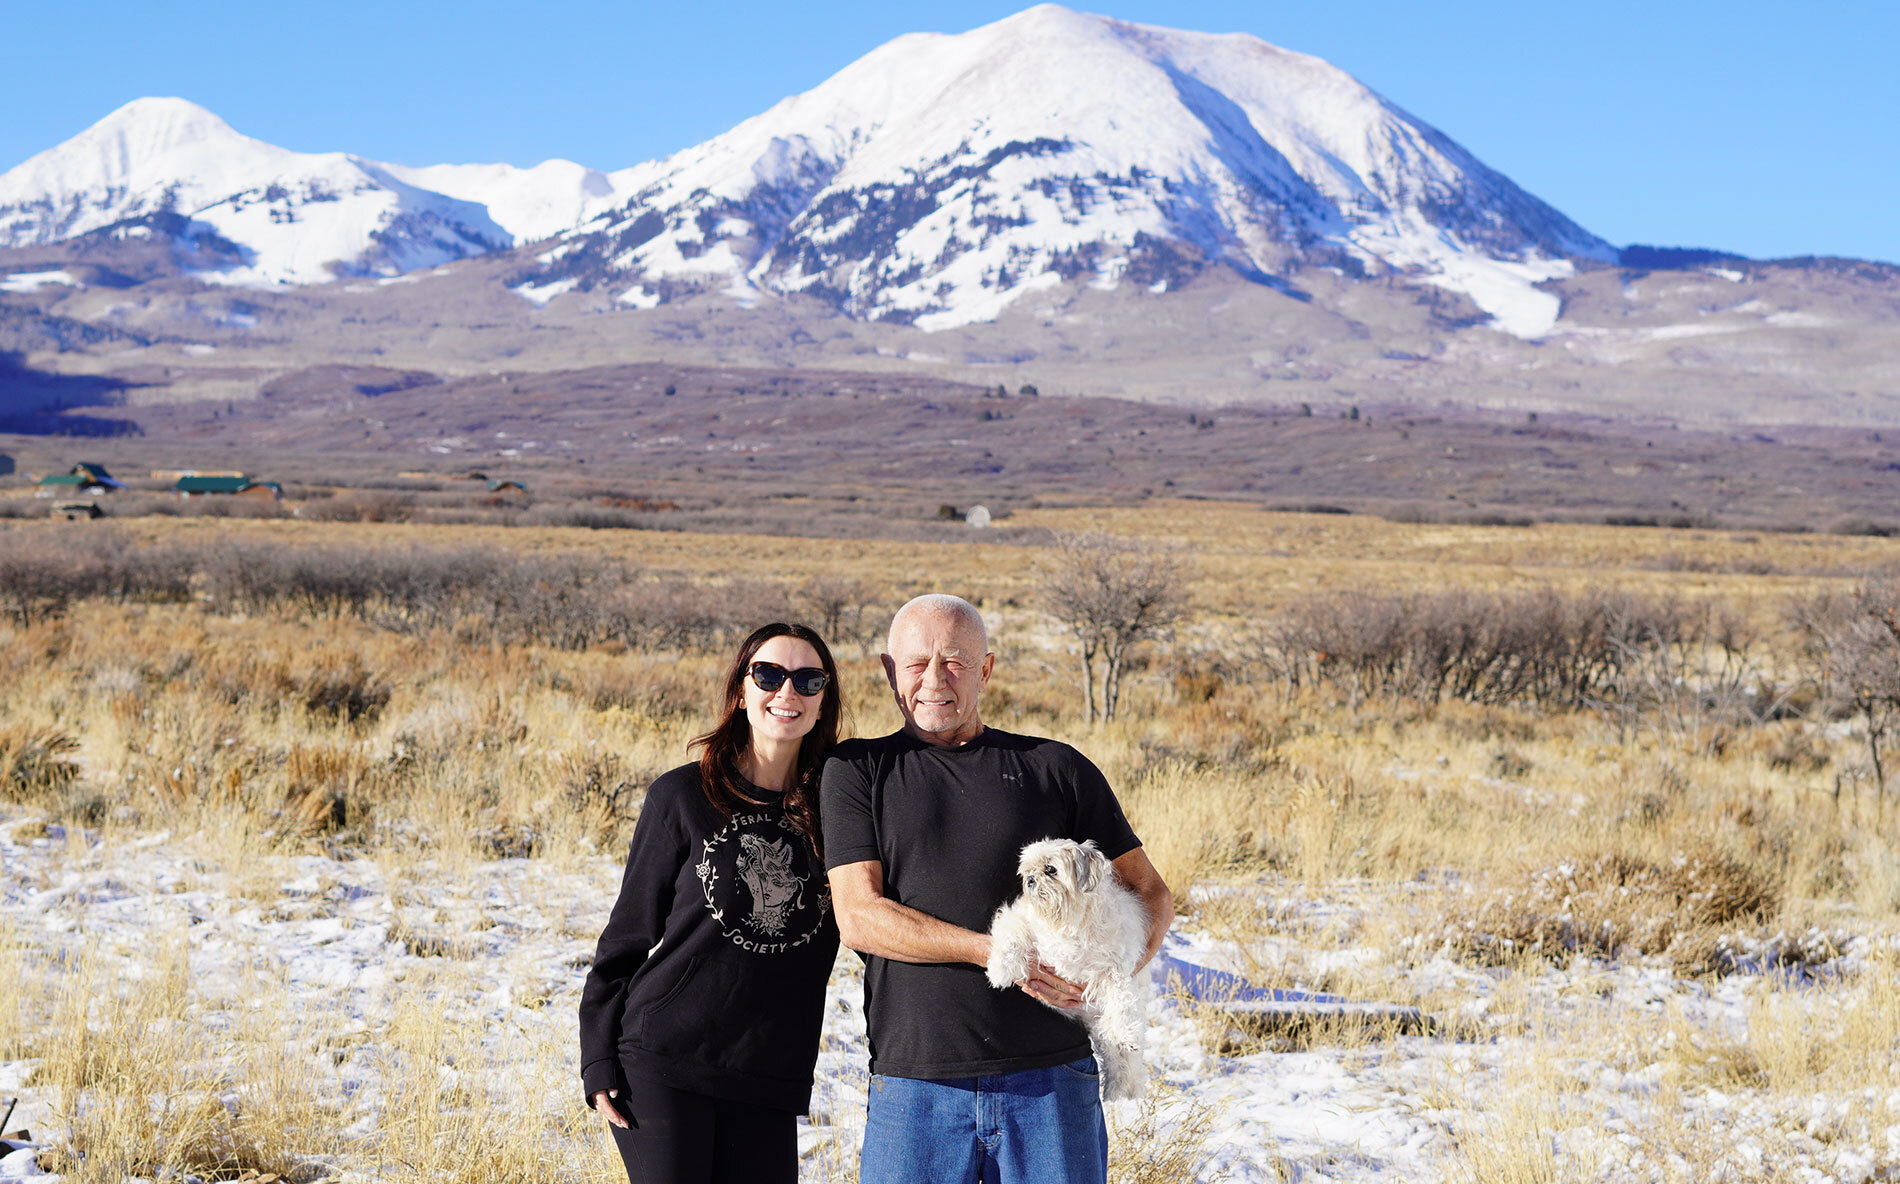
(922, 830)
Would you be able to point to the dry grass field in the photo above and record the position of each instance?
(308, 889)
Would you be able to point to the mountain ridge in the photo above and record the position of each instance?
(936, 180)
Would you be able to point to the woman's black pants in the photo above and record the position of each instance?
(675, 1137)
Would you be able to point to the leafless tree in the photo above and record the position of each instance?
(1852, 641)
(837, 606)
(1112, 594)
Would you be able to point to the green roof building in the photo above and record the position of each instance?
(85, 477)
(195, 485)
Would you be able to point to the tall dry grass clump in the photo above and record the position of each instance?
(1532, 1129)
(1165, 1138)
(142, 1086)
(451, 1089)
(1609, 904)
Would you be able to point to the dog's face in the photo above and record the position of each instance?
(1057, 873)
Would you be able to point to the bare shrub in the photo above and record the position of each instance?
(562, 601)
(369, 506)
(1111, 594)
(41, 575)
(323, 788)
(317, 581)
(36, 764)
(662, 694)
(1851, 644)
(843, 610)
(1598, 648)
(602, 797)
(342, 689)
(592, 517)
(1608, 903)
(153, 574)
(677, 615)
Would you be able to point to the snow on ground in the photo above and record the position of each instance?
(503, 946)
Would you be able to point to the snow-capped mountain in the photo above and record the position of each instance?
(934, 181)
(940, 177)
(293, 217)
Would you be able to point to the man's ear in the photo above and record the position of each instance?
(890, 669)
(989, 665)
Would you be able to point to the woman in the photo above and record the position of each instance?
(700, 1017)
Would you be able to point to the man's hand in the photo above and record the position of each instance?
(603, 1102)
(1046, 986)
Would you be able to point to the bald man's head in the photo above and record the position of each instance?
(938, 661)
(941, 604)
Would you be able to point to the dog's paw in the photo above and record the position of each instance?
(1005, 971)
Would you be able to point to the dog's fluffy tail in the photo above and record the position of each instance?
(1124, 1076)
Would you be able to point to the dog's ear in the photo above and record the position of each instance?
(1089, 864)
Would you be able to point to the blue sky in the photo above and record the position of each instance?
(1768, 129)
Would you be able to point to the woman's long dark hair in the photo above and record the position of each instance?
(719, 776)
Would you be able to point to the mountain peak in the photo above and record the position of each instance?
(942, 176)
(169, 120)
(140, 141)
(296, 217)
(145, 132)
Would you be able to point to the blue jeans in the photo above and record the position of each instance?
(1040, 1126)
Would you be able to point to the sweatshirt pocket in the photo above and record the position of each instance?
(672, 994)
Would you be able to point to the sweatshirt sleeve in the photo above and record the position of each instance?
(654, 859)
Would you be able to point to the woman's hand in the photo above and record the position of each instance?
(603, 1102)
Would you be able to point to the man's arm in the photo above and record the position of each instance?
(872, 923)
(1140, 877)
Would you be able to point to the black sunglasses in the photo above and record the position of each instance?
(770, 676)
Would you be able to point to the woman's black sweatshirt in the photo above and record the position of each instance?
(710, 976)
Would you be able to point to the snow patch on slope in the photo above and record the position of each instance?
(530, 204)
(33, 281)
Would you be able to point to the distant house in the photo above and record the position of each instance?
(206, 486)
(84, 477)
(506, 487)
(195, 486)
(96, 473)
(175, 474)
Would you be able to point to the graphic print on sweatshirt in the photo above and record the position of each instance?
(760, 885)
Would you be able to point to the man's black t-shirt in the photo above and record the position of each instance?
(948, 824)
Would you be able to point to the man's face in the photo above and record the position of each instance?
(937, 669)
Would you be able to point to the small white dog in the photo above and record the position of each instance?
(1077, 919)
